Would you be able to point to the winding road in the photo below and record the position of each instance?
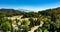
(36, 27)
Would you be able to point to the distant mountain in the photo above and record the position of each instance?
(9, 12)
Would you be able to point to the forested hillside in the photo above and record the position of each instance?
(41, 21)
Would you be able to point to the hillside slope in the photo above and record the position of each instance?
(50, 11)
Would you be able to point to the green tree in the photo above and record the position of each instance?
(6, 26)
(32, 23)
(26, 28)
(26, 22)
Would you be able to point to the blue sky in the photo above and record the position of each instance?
(34, 5)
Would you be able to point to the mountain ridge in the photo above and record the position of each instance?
(11, 12)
